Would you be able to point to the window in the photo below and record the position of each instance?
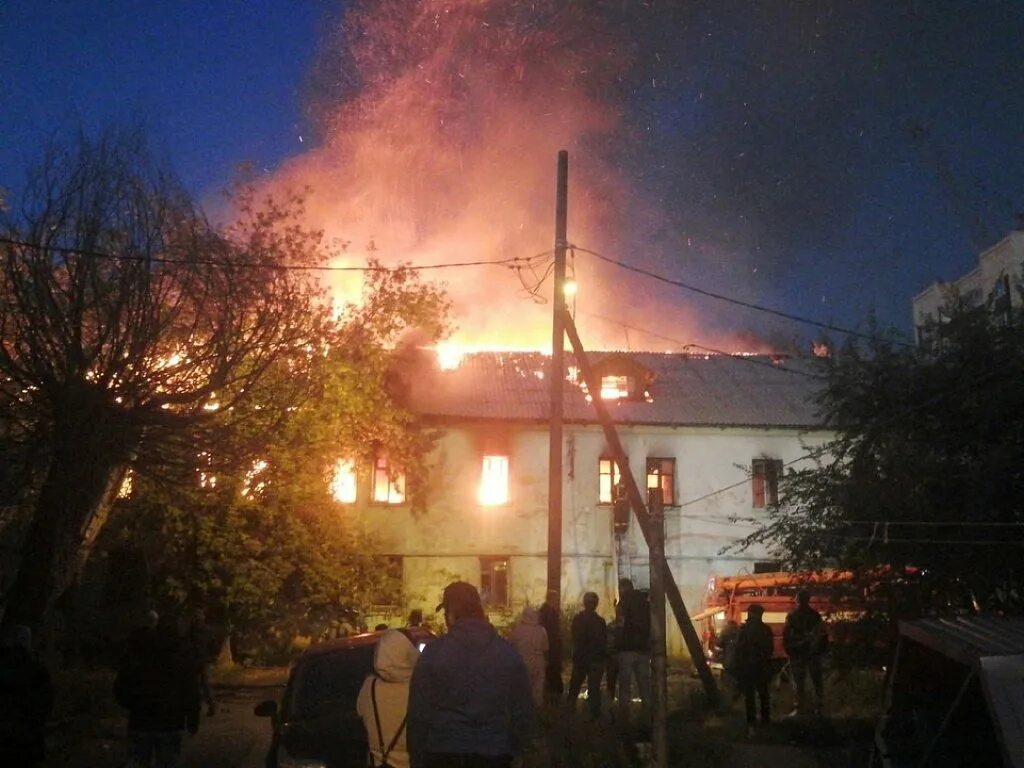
(661, 473)
(765, 476)
(494, 481)
(494, 581)
(387, 589)
(608, 476)
(343, 483)
(616, 387)
(388, 485)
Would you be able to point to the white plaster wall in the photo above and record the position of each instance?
(446, 541)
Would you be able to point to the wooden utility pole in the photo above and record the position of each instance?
(659, 689)
(556, 379)
(675, 599)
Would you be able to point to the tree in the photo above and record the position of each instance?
(130, 330)
(258, 543)
(925, 475)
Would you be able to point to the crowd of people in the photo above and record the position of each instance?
(469, 699)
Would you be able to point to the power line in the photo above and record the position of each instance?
(731, 300)
(690, 345)
(744, 481)
(510, 263)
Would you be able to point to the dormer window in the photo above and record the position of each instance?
(623, 378)
(617, 387)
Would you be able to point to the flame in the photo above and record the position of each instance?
(494, 481)
(438, 128)
(450, 354)
(442, 147)
(343, 482)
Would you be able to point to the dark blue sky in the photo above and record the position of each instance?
(215, 83)
(853, 152)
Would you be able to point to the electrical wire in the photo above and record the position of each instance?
(511, 263)
(690, 345)
(731, 300)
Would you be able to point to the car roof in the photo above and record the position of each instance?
(366, 639)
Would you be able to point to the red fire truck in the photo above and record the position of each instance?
(833, 595)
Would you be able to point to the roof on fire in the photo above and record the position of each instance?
(684, 389)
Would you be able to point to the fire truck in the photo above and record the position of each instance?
(833, 594)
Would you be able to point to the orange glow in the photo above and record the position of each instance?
(343, 483)
(614, 387)
(450, 354)
(388, 485)
(494, 489)
(608, 476)
(445, 152)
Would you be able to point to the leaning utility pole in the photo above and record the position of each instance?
(556, 379)
(675, 599)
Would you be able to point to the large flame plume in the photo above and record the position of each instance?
(440, 123)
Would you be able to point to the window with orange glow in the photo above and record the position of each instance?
(616, 387)
(494, 481)
(608, 476)
(388, 485)
(661, 473)
(343, 483)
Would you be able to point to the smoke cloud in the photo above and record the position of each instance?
(440, 124)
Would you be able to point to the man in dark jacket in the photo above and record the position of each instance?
(159, 686)
(633, 654)
(550, 615)
(589, 644)
(26, 698)
(469, 698)
(805, 642)
(755, 646)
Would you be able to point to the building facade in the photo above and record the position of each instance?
(714, 433)
(994, 284)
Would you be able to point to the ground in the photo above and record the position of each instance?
(88, 731)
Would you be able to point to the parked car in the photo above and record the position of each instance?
(316, 725)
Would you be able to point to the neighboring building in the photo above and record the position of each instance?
(994, 284)
(714, 432)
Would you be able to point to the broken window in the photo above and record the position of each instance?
(494, 489)
(608, 476)
(661, 473)
(765, 474)
(494, 581)
(388, 484)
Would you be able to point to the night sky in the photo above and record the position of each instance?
(829, 159)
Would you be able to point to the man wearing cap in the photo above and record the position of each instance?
(469, 700)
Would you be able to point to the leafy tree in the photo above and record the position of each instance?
(926, 471)
(258, 543)
(131, 329)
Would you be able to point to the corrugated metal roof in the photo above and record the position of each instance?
(993, 647)
(968, 638)
(1002, 678)
(687, 390)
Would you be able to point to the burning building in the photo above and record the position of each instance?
(713, 432)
